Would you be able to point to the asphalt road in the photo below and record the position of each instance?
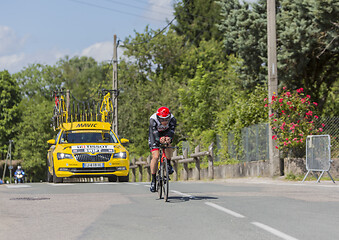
(230, 209)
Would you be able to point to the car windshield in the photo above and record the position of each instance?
(87, 137)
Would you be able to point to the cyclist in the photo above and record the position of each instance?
(161, 130)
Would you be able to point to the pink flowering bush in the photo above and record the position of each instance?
(293, 118)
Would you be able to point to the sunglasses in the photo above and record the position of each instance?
(164, 119)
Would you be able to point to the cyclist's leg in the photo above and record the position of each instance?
(154, 161)
(154, 168)
(169, 153)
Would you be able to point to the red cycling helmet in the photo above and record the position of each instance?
(163, 112)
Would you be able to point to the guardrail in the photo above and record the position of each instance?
(195, 157)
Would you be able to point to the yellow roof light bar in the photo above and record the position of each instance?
(86, 126)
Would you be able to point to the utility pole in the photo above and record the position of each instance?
(115, 85)
(8, 157)
(272, 81)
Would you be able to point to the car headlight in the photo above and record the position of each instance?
(120, 155)
(64, 155)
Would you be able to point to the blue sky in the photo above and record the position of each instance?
(43, 31)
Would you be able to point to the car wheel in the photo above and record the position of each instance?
(123, 178)
(49, 177)
(57, 179)
(112, 178)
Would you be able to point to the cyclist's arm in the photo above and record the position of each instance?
(153, 132)
(172, 125)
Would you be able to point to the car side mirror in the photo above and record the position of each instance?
(51, 141)
(124, 141)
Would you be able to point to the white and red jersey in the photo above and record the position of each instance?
(157, 130)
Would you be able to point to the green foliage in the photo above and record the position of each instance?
(148, 82)
(244, 34)
(206, 94)
(9, 112)
(308, 56)
(34, 132)
(197, 19)
(293, 119)
(331, 106)
(36, 84)
(307, 49)
(246, 110)
(85, 72)
(38, 79)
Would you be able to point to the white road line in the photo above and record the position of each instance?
(273, 231)
(18, 186)
(182, 194)
(131, 183)
(230, 212)
(106, 183)
(60, 184)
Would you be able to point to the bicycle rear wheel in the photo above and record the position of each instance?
(159, 181)
(55, 121)
(165, 179)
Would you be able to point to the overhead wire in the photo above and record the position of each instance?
(113, 10)
(137, 7)
(157, 34)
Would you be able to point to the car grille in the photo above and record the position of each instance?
(93, 170)
(105, 157)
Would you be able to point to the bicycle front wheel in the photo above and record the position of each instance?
(159, 181)
(165, 184)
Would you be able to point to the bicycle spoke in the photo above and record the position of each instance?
(159, 182)
(166, 180)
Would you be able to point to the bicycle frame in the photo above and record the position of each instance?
(60, 111)
(163, 175)
(106, 107)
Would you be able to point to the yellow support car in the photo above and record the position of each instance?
(87, 149)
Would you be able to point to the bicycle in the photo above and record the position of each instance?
(60, 114)
(162, 184)
(106, 108)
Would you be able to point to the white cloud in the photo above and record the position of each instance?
(101, 52)
(11, 61)
(10, 42)
(161, 9)
(17, 62)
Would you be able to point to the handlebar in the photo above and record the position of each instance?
(166, 146)
(58, 92)
(105, 91)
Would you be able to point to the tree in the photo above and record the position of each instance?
(306, 41)
(308, 53)
(209, 90)
(84, 72)
(197, 19)
(245, 110)
(31, 140)
(148, 80)
(38, 79)
(9, 112)
(83, 76)
(244, 35)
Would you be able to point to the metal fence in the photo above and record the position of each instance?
(318, 154)
(330, 126)
(318, 151)
(252, 145)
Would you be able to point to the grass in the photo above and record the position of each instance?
(310, 177)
